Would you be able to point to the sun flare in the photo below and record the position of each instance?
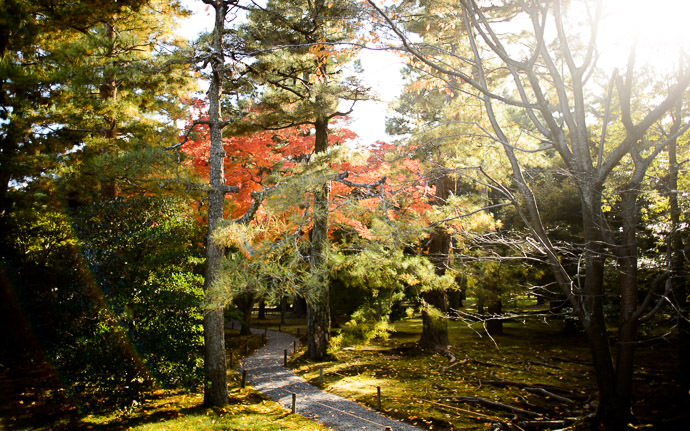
(659, 31)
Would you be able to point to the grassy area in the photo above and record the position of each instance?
(170, 411)
(247, 410)
(416, 384)
(413, 381)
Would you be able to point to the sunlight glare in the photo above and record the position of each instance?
(660, 28)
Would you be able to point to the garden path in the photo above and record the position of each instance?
(265, 372)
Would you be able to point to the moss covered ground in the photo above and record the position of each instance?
(534, 366)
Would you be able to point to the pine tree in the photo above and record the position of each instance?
(299, 52)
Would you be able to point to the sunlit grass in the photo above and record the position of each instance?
(412, 381)
(169, 411)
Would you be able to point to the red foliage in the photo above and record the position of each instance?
(251, 159)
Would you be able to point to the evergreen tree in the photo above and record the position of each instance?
(86, 111)
(299, 55)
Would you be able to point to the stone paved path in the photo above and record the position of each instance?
(265, 372)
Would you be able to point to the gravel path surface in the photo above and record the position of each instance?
(265, 372)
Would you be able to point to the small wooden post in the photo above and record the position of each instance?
(244, 378)
(294, 402)
(265, 332)
(280, 327)
(263, 338)
(246, 348)
(285, 358)
(378, 398)
(294, 346)
(320, 376)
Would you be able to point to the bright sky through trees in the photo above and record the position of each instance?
(659, 28)
(381, 68)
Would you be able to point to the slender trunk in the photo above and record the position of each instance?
(678, 278)
(262, 309)
(627, 264)
(283, 309)
(215, 383)
(318, 300)
(591, 307)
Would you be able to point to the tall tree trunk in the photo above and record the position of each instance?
(318, 299)
(590, 306)
(627, 334)
(215, 383)
(434, 321)
(678, 275)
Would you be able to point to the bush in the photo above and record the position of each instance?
(114, 295)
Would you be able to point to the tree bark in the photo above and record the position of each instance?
(678, 277)
(318, 298)
(215, 383)
(262, 309)
(283, 309)
(434, 322)
(590, 304)
(245, 303)
(627, 331)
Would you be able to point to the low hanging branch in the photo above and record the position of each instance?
(257, 198)
(341, 179)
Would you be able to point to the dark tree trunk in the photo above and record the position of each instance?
(299, 306)
(245, 304)
(590, 306)
(215, 383)
(627, 332)
(435, 311)
(318, 298)
(480, 302)
(262, 309)
(434, 327)
(283, 309)
(678, 277)
(455, 299)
